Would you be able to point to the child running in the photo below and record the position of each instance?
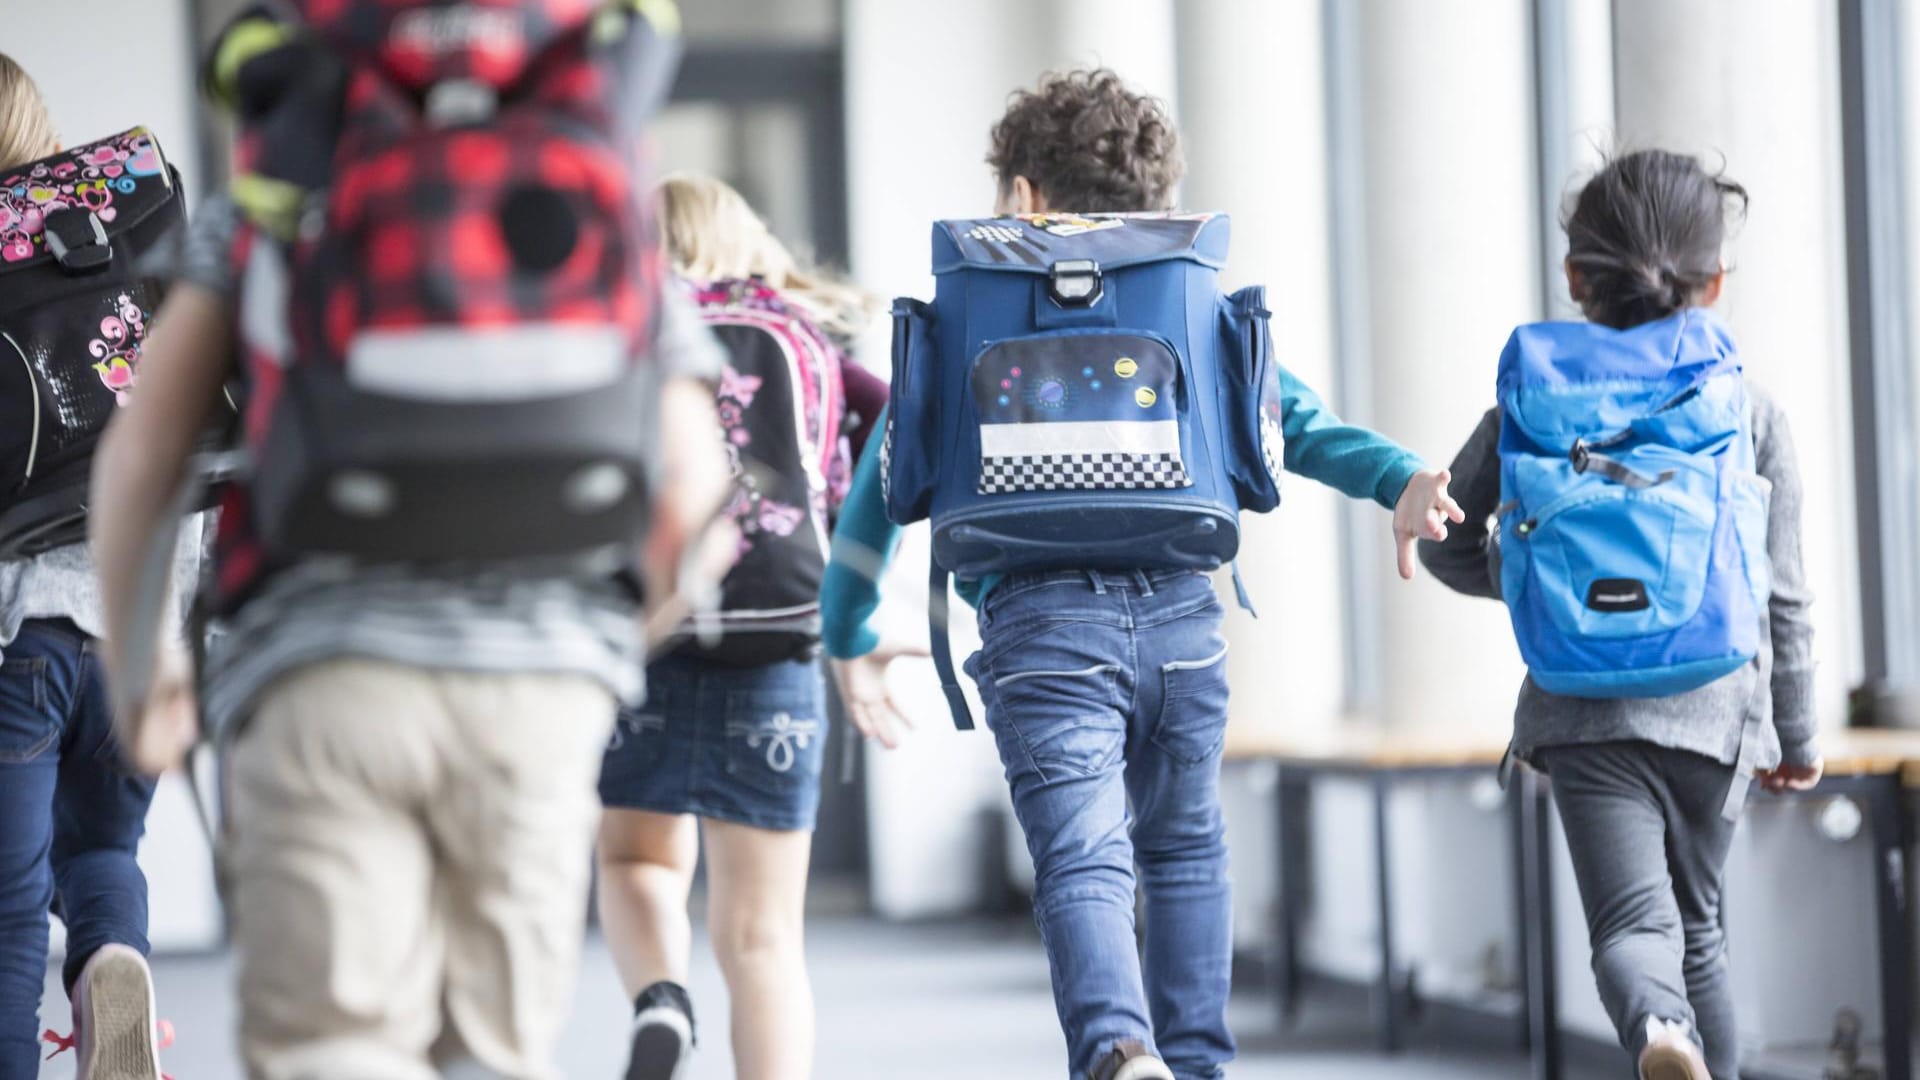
(729, 745)
(1110, 723)
(74, 814)
(414, 744)
(1702, 686)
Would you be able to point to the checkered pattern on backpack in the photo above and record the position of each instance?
(1081, 472)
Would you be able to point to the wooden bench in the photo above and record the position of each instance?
(1382, 759)
(1875, 767)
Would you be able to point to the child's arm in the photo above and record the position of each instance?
(1461, 560)
(864, 541)
(1364, 464)
(1794, 716)
(137, 468)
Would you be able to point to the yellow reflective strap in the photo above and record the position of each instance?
(243, 42)
(273, 205)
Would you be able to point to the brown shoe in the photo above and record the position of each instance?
(1129, 1060)
(1671, 1053)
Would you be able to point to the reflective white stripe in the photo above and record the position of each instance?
(263, 303)
(33, 380)
(1081, 437)
(505, 363)
(1195, 665)
(1097, 669)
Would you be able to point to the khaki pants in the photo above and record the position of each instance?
(409, 857)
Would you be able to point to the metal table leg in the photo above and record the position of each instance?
(1386, 997)
(1542, 979)
(1887, 820)
(1519, 830)
(1290, 861)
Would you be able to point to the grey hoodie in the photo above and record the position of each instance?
(1775, 692)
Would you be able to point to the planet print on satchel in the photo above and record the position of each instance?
(1079, 411)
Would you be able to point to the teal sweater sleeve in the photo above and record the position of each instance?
(864, 541)
(1354, 461)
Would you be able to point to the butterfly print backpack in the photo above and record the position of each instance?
(74, 308)
(780, 405)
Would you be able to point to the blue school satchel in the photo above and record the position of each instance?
(1633, 527)
(1079, 395)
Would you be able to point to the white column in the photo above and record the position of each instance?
(1253, 114)
(1758, 85)
(1452, 258)
(1133, 37)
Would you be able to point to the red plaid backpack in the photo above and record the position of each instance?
(446, 310)
(781, 408)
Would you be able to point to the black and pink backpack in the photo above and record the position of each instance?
(74, 308)
(781, 408)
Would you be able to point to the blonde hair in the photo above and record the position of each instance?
(713, 235)
(26, 129)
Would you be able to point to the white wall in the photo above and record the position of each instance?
(104, 72)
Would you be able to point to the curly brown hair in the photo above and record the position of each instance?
(1089, 144)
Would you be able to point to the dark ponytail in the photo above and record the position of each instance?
(1645, 235)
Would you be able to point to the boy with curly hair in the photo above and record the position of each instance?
(1107, 692)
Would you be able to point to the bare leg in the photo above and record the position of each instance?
(646, 871)
(757, 881)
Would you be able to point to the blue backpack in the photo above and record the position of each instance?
(1633, 527)
(1079, 395)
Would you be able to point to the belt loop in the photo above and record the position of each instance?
(1141, 579)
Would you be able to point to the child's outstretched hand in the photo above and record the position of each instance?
(1422, 514)
(863, 690)
(1793, 777)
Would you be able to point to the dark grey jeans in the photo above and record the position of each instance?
(1649, 846)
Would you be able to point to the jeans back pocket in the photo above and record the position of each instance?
(1193, 712)
(28, 728)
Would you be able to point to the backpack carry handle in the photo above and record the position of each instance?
(974, 534)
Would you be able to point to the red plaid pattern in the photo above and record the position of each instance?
(415, 237)
(420, 42)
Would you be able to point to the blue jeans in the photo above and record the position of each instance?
(1107, 696)
(70, 819)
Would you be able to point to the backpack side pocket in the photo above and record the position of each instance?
(907, 470)
(1251, 406)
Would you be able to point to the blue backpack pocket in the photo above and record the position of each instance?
(907, 464)
(1607, 561)
(1079, 410)
(1750, 497)
(1257, 455)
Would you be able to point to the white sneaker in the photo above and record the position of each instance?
(1130, 1061)
(1671, 1053)
(113, 1023)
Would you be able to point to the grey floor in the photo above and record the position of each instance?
(928, 1002)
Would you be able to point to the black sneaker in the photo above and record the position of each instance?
(662, 1032)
